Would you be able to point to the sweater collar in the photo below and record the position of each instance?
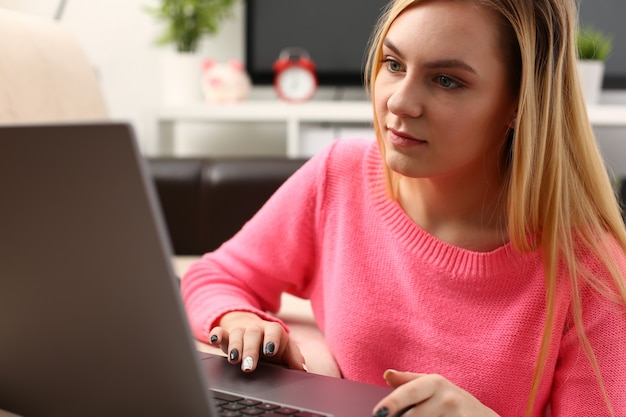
(445, 256)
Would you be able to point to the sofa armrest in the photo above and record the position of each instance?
(46, 75)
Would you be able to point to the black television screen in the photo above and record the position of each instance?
(335, 33)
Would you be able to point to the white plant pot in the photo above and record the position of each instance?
(180, 75)
(591, 76)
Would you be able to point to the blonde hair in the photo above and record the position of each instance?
(559, 194)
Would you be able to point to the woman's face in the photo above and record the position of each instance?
(442, 95)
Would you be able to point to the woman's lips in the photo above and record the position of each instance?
(400, 138)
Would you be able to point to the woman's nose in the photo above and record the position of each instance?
(406, 99)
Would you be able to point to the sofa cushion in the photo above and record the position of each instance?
(205, 201)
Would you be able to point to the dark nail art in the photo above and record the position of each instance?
(269, 348)
(234, 355)
(382, 412)
(213, 338)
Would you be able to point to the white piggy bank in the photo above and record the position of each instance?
(225, 82)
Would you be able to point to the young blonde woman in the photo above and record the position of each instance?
(474, 257)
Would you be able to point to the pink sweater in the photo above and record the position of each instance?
(388, 295)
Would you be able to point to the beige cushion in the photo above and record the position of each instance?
(44, 73)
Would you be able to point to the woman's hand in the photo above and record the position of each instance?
(244, 337)
(428, 395)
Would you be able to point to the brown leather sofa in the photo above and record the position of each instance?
(205, 200)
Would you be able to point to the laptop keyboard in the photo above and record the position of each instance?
(229, 405)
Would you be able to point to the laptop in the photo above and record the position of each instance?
(91, 318)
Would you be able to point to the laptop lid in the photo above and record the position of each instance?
(88, 301)
(91, 318)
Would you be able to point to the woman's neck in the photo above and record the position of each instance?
(464, 213)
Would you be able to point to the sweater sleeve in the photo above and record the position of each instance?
(274, 252)
(575, 390)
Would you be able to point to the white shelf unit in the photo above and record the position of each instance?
(295, 115)
(607, 115)
(271, 111)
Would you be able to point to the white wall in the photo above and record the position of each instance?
(118, 36)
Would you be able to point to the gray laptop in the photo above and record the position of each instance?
(91, 320)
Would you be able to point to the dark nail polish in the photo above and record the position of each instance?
(269, 348)
(382, 412)
(213, 338)
(234, 355)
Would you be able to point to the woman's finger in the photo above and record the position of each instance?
(411, 389)
(293, 357)
(273, 337)
(235, 345)
(252, 340)
(219, 338)
(396, 378)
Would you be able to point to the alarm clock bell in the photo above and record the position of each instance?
(295, 79)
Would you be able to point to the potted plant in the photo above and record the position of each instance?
(186, 23)
(593, 49)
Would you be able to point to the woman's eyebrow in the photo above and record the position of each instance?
(449, 64)
(387, 43)
(438, 64)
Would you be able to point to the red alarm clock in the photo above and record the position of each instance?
(295, 79)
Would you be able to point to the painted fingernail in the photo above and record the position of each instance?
(248, 362)
(382, 412)
(213, 338)
(234, 355)
(269, 348)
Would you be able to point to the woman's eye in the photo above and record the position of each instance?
(392, 65)
(447, 82)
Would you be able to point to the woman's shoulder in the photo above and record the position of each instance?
(594, 249)
(344, 161)
(350, 154)
(351, 149)
(345, 166)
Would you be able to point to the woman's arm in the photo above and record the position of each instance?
(274, 252)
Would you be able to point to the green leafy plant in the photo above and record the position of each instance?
(189, 20)
(593, 44)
